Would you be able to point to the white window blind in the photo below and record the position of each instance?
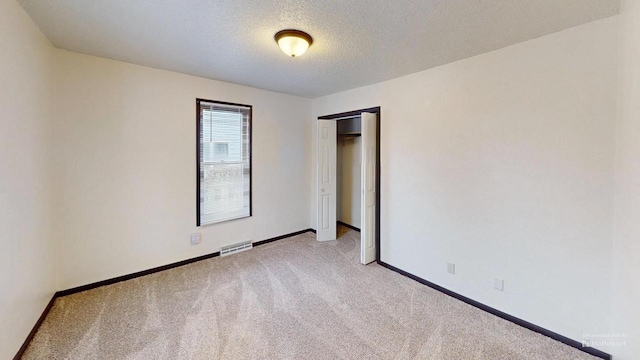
(224, 162)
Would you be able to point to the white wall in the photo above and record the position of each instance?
(126, 140)
(626, 254)
(503, 165)
(26, 242)
(349, 187)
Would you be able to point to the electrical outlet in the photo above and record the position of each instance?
(195, 239)
(451, 268)
(498, 284)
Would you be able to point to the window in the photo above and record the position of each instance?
(220, 150)
(224, 161)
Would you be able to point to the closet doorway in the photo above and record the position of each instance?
(348, 181)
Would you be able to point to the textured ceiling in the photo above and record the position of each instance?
(356, 43)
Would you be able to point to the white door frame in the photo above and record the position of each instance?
(368, 206)
(326, 180)
(351, 114)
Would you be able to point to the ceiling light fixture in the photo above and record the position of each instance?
(293, 42)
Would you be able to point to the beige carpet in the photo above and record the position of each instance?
(291, 299)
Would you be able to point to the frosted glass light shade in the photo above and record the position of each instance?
(293, 42)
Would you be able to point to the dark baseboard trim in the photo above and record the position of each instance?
(118, 279)
(548, 333)
(262, 242)
(348, 226)
(163, 267)
(129, 277)
(33, 332)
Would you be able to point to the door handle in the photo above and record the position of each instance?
(322, 190)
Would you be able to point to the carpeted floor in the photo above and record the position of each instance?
(290, 299)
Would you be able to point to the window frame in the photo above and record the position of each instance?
(198, 160)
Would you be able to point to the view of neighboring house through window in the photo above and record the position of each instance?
(224, 161)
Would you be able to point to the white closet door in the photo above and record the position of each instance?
(368, 207)
(327, 167)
